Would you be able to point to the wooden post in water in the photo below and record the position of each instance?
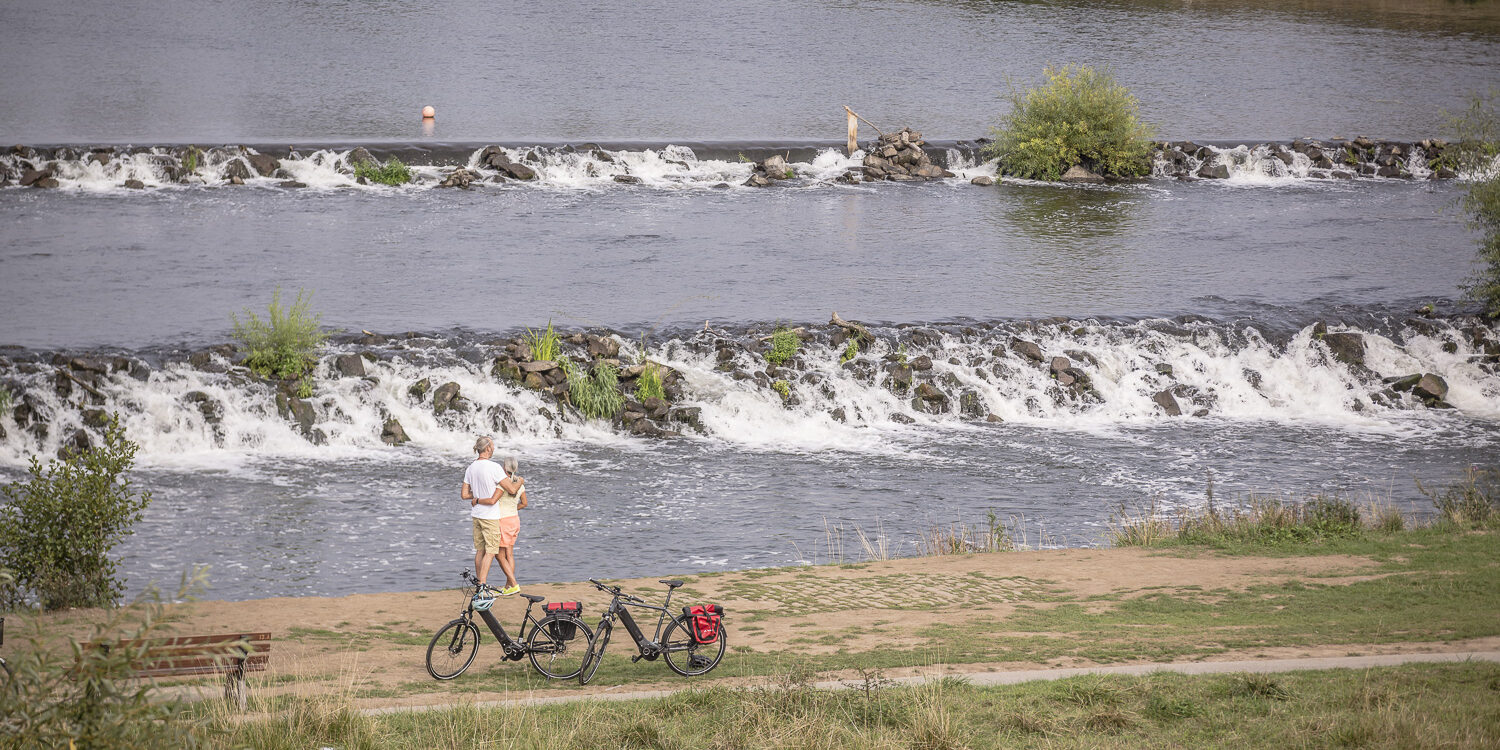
(853, 130)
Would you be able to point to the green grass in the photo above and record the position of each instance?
(1080, 116)
(648, 384)
(393, 172)
(783, 388)
(1414, 706)
(545, 345)
(784, 346)
(851, 350)
(595, 393)
(283, 345)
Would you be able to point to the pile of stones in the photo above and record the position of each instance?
(899, 157)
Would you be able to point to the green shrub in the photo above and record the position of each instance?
(784, 345)
(284, 345)
(1476, 148)
(649, 384)
(57, 528)
(1473, 500)
(392, 172)
(782, 387)
(595, 394)
(190, 159)
(544, 345)
(1079, 116)
(851, 350)
(81, 697)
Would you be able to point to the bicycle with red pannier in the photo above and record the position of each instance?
(692, 643)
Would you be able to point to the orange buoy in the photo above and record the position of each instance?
(428, 112)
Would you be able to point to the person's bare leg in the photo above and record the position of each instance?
(482, 562)
(508, 565)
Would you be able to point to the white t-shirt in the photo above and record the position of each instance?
(483, 476)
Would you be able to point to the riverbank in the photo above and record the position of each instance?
(1423, 591)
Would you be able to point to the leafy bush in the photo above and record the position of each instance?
(595, 394)
(1079, 116)
(58, 527)
(649, 384)
(851, 350)
(284, 344)
(783, 388)
(544, 345)
(81, 697)
(392, 172)
(1473, 500)
(784, 345)
(1476, 149)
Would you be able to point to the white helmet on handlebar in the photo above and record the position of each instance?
(484, 598)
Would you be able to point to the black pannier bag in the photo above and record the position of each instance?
(563, 630)
(703, 622)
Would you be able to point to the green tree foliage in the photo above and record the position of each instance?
(1478, 147)
(283, 345)
(1079, 116)
(57, 528)
(80, 697)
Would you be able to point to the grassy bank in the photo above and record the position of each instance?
(1417, 706)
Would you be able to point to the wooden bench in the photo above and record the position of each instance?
(231, 655)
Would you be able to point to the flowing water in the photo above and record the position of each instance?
(1220, 282)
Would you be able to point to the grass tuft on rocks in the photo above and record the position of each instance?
(649, 384)
(595, 393)
(283, 345)
(1472, 502)
(545, 345)
(1080, 116)
(393, 172)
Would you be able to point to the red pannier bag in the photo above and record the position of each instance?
(703, 622)
(563, 630)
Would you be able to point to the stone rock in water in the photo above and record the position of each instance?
(1027, 349)
(392, 433)
(1348, 348)
(1214, 172)
(443, 398)
(1078, 174)
(1168, 404)
(265, 164)
(1060, 364)
(135, 185)
(349, 365)
(628, 179)
(1431, 388)
(982, 181)
(774, 167)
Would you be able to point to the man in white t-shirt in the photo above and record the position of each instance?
(495, 496)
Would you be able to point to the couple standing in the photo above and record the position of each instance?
(495, 495)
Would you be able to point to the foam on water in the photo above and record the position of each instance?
(1231, 373)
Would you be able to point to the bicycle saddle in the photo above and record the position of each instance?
(672, 584)
(533, 598)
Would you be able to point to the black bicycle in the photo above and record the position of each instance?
(558, 644)
(3, 665)
(687, 649)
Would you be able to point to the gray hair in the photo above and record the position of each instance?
(510, 464)
(484, 443)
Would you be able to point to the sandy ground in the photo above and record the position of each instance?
(371, 647)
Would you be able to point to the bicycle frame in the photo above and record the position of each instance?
(619, 608)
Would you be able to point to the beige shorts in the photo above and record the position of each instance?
(490, 534)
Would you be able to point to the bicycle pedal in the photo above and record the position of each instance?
(635, 658)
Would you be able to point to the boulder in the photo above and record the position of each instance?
(1403, 383)
(349, 365)
(1027, 349)
(775, 168)
(605, 347)
(99, 418)
(392, 433)
(31, 177)
(541, 366)
(655, 408)
(211, 409)
(419, 389)
(291, 184)
(928, 399)
(1214, 171)
(236, 168)
(971, 405)
(900, 377)
(505, 369)
(921, 364)
(264, 164)
(1167, 403)
(360, 156)
(757, 180)
(1163, 368)
(688, 416)
(1431, 388)
(628, 179)
(1059, 365)
(534, 381)
(1348, 348)
(135, 185)
(982, 181)
(444, 397)
(930, 171)
(298, 411)
(1077, 173)
(459, 178)
(518, 171)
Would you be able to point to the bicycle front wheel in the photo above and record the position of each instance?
(453, 649)
(685, 655)
(595, 654)
(559, 646)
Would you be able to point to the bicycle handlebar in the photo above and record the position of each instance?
(615, 590)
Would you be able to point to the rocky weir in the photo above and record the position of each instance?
(388, 390)
(901, 156)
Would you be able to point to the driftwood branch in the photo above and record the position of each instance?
(83, 385)
(860, 332)
(863, 120)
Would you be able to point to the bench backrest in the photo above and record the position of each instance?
(199, 654)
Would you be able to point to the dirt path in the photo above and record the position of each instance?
(371, 648)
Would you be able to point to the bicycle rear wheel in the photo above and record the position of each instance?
(685, 655)
(555, 655)
(453, 649)
(596, 653)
